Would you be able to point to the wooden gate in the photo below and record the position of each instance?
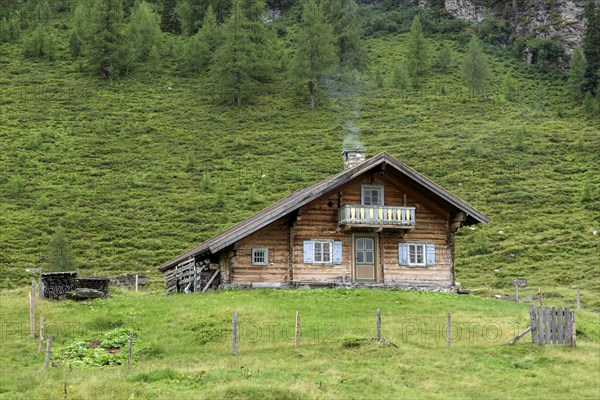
(552, 325)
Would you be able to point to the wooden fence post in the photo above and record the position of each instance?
(516, 293)
(48, 351)
(130, 345)
(573, 330)
(378, 324)
(489, 292)
(234, 334)
(32, 310)
(449, 330)
(534, 328)
(297, 341)
(541, 296)
(136, 282)
(41, 341)
(578, 298)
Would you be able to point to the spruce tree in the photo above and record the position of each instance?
(418, 55)
(168, 19)
(315, 51)
(347, 30)
(60, 253)
(143, 31)
(475, 67)
(106, 45)
(577, 77)
(210, 34)
(401, 77)
(591, 45)
(237, 57)
(443, 59)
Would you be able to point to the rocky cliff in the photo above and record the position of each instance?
(560, 20)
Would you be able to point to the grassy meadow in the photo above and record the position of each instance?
(182, 348)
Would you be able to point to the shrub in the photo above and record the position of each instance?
(40, 44)
(14, 187)
(352, 341)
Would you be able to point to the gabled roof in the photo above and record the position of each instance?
(306, 195)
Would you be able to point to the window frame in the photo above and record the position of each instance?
(364, 188)
(265, 251)
(423, 247)
(329, 242)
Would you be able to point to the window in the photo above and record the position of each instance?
(365, 252)
(416, 254)
(260, 256)
(372, 195)
(322, 251)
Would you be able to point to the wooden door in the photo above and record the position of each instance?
(364, 258)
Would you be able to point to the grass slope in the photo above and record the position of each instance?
(183, 348)
(140, 169)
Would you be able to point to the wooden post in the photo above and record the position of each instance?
(378, 324)
(130, 343)
(41, 341)
(489, 292)
(553, 329)
(195, 277)
(234, 334)
(449, 330)
(48, 351)
(533, 323)
(578, 298)
(560, 330)
(32, 309)
(136, 282)
(573, 330)
(540, 296)
(65, 391)
(516, 293)
(40, 287)
(297, 329)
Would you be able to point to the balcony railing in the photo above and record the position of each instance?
(377, 216)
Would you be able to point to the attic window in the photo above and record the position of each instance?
(372, 195)
(260, 256)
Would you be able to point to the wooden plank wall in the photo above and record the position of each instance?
(318, 220)
(275, 237)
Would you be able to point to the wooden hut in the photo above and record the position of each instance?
(376, 223)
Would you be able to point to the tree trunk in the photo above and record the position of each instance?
(311, 89)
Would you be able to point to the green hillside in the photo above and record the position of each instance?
(140, 168)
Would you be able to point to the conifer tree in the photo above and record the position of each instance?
(475, 67)
(106, 45)
(60, 253)
(210, 34)
(577, 74)
(237, 57)
(143, 31)
(315, 52)
(401, 77)
(591, 45)
(443, 59)
(347, 30)
(168, 19)
(418, 55)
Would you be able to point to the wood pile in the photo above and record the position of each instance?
(57, 285)
(93, 282)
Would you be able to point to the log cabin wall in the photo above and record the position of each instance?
(319, 220)
(274, 237)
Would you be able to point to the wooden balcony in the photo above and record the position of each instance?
(351, 216)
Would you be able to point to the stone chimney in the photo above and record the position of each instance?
(352, 158)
